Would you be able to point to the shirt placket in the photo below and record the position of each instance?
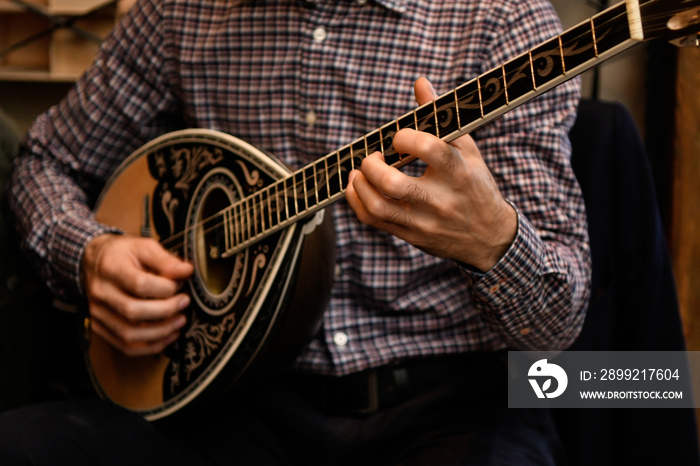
(321, 37)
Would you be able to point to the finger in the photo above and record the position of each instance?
(146, 285)
(129, 330)
(161, 262)
(424, 91)
(137, 331)
(134, 265)
(134, 348)
(372, 207)
(353, 198)
(392, 183)
(438, 154)
(136, 309)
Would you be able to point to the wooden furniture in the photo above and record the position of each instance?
(685, 239)
(53, 40)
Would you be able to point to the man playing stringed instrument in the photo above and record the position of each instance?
(477, 247)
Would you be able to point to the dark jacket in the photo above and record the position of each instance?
(634, 305)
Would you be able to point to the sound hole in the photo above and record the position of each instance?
(215, 272)
(217, 282)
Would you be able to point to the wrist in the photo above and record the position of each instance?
(501, 235)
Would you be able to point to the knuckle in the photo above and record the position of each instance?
(93, 289)
(394, 182)
(141, 285)
(129, 310)
(416, 194)
(449, 159)
(376, 207)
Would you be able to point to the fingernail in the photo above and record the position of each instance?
(432, 88)
(184, 303)
(180, 322)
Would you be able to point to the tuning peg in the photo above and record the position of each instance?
(687, 41)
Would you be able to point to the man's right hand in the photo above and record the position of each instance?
(132, 285)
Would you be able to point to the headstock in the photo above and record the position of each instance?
(677, 21)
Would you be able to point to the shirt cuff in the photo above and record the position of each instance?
(501, 286)
(66, 249)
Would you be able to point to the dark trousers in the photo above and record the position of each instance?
(416, 416)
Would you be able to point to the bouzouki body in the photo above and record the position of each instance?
(249, 311)
(248, 224)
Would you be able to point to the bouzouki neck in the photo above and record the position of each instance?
(457, 112)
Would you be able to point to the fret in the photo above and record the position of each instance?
(227, 230)
(437, 126)
(372, 142)
(328, 177)
(261, 208)
(310, 186)
(346, 163)
(320, 180)
(358, 152)
(290, 195)
(518, 77)
(255, 226)
(481, 100)
(238, 222)
(446, 116)
(232, 230)
(561, 55)
(611, 28)
(547, 67)
(459, 122)
(505, 83)
(341, 187)
(387, 134)
(425, 119)
(595, 41)
(232, 219)
(532, 69)
(247, 219)
(381, 142)
(280, 207)
(492, 92)
(398, 128)
(293, 198)
(302, 201)
(578, 42)
(392, 157)
(304, 183)
(469, 107)
(269, 207)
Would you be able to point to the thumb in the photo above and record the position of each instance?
(424, 91)
(158, 260)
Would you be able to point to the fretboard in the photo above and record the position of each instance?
(460, 111)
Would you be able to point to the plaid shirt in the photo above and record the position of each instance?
(300, 79)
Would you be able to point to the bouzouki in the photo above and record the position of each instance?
(252, 228)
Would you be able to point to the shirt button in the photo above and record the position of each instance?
(495, 288)
(311, 118)
(320, 34)
(525, 331)
(340, 339)
(338, 271)
(361, 2)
